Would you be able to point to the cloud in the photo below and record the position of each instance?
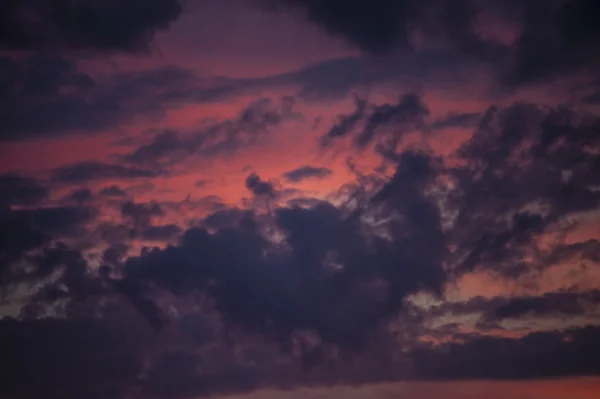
(228, 217)
(74, 26)
(331, 277)
(92, 170)
(347, 123)
(312, 292)
(70, 358)
(20, 190)
(383, 25)
(373, 26)
(161, 233)
(456, 120)
(537, 355)
(259, 187)
(61, 220)
(562, 43)
(369, 122)
(112, 191)
(66, 100)
(564, 308)
(549, 304)
(256, 119)
(307, 172)
(141, 214)
(18, 236)
(81, 195)
(559, 44)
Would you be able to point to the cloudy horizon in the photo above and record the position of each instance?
(299, 199)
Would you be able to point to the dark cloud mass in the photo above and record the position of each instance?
(187, 213)
(84, 25)
(49, 95)
(555, 38)
(343, 273)
(65, 358)
(21, 190)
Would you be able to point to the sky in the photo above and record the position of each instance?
(299, 199)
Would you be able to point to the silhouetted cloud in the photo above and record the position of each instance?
(549, 304)
(538, 355)
(161, 233)
(48, 95)
(70, 358)
(259, 187)
(81, 195)
(141, 214)
(561, 43)
(454, 120)
(21, 190)
(366, 122)
(312, 291)
(69, 25)
(61, 220)
(306, 172)
(224, 138)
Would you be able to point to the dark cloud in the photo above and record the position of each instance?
(347, 123)
(593, 98)
(336, 79)
(319, 285)
(457, 120)
(81, 195)
(374, 26)
(65, 359)
(21, 190)
(18, 236)
(112, 191)
(583, 250)
(557, 39)
(307, 172)
(383, 25)
(330, 277)
(68, 25)
(554, 39)
(228, 217)
(225, 138)
(516, 159)
(86, 171)
(403, 117)
(161, 233)
(134, 292)
(141, 215)
(61, 220)
(48, 95)
(537, 355)
(531, 309)
(550, 304)
(259, 187)
(368, 122)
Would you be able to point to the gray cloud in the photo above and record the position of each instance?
(307, 172)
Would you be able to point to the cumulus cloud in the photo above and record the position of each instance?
(312, 285)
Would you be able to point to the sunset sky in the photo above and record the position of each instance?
(290, 199)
